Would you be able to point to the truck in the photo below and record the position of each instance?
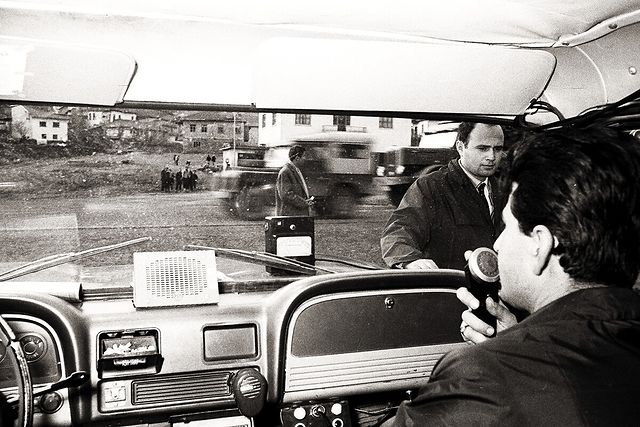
(337, 166)
(397, 168)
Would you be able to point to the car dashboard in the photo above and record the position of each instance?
(339, 348)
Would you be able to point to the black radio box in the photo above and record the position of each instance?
(291, 237)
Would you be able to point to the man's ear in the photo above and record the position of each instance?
(543, 242)
(459, 146)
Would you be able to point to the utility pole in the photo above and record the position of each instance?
(235, 158)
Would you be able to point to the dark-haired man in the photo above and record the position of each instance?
(569, 256)
(450, 211)
(292, 193)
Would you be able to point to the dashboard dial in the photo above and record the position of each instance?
(34, 346)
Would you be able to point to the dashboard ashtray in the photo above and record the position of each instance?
(122, 352)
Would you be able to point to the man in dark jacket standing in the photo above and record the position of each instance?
(452, 210)
(292, 193)
(569, 256)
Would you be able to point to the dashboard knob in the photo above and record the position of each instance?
(336, 409)
(250, 391)
(51, 402)
(34, 346)
(299, 413)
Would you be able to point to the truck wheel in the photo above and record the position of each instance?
(341, 202)
(230, 205)
(250, 206)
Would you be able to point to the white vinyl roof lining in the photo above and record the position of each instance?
(530, 22)
(193, 51)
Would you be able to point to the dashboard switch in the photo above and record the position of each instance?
(318, 411)
(332, 413)
(114, 393)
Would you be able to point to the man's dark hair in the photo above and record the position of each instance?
(464, 130)
(584, 186)
(296, 151)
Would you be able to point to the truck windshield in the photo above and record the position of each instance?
(276, 157)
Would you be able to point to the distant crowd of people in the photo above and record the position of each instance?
(185, 178)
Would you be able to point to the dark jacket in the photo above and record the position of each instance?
(576, 362)
(440, 217)
(290, 195)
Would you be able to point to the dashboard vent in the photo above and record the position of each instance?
(187, 388)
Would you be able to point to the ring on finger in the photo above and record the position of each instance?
(462, 328)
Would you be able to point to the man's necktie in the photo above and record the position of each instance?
(480, 189)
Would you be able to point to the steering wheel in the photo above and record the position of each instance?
(21, 372)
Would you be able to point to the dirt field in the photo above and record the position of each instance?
(62, 205)
(94, 175)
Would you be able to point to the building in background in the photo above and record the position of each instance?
(143, 131)
(99, 117)
(42, 124)
(387, 132)
(210, 131)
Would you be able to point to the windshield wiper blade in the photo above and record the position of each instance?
(54, 260)
(265, 258)
(347, 261)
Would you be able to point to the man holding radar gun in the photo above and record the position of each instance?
(569, 258)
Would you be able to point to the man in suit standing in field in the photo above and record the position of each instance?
(292, 193)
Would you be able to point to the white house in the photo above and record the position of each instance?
(98, 117)
(41, 124)
(278, 128)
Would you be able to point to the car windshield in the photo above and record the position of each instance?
(76, 178)
(142, 143)
(83, 189)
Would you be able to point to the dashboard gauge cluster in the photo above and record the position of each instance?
(34, 346)
(39, 349)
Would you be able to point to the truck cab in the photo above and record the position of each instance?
(399, 167)
(338, 168)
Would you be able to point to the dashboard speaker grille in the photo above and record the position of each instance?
(174, 278)
(188, 388)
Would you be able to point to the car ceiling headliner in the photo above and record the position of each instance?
(207, 50)
(535, 22)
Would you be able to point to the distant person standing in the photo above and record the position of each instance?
(176, 159)
(194, 181)
(179, 180)
(292, 193)
(165, 174)
(186, 178)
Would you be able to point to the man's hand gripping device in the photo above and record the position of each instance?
(484, 281)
